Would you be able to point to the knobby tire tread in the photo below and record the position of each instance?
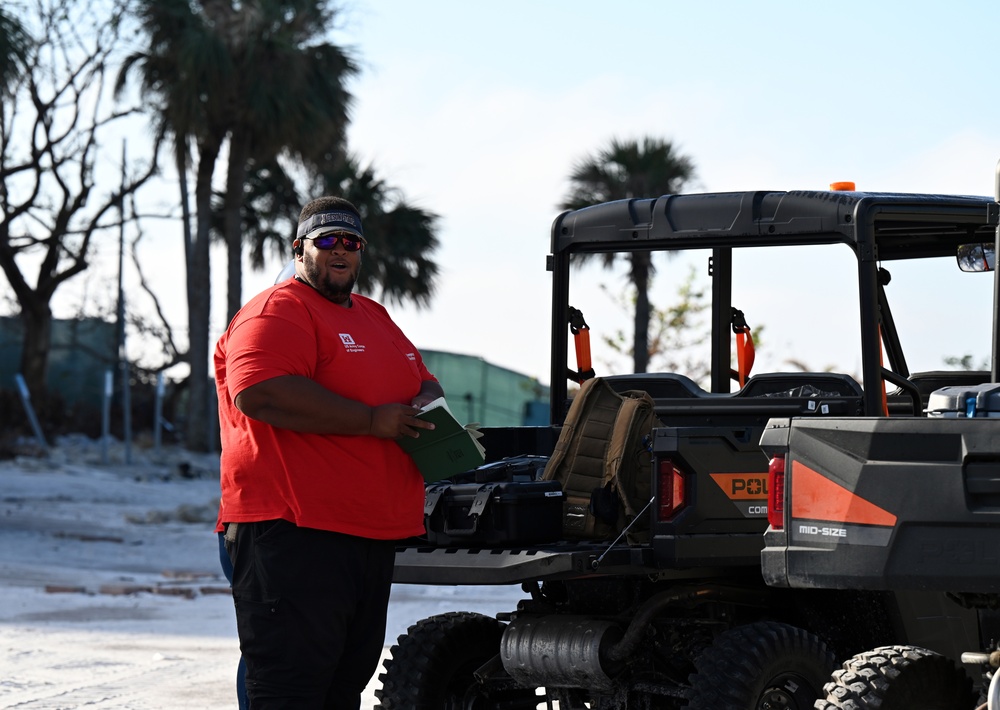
(729, 672)
(421, 664)
(898, 678)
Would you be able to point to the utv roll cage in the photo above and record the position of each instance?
(878, 227)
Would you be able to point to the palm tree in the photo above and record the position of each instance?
(252, 73)
(15, 43)
(398, 266)
(270, 212)
(184, 69)
(256, 75)
(631, 169)
(288, 97)
(401, 237)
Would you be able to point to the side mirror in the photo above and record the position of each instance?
(977, 257)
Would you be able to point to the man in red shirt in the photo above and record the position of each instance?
(315, 383)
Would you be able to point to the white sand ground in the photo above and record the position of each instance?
(111, 591)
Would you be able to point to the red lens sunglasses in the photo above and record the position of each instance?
(329, 241)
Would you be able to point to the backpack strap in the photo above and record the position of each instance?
(633, 422)
(577, 461)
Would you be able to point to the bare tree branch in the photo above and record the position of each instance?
(161, 332)
(53, 204)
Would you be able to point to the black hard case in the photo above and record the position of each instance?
(496, 513)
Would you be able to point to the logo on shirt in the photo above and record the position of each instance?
(349, 344)
(411, 356)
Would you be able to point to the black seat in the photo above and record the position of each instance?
(801, 384)
(933, 380)
(659, 385)
(901, 403)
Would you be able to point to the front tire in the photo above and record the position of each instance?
(431, 666)
(761, 666)
(899, 678)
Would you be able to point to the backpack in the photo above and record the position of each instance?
(603, 461)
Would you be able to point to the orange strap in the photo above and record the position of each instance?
(744, 354)
(581, 341)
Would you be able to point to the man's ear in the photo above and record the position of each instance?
(297, 247)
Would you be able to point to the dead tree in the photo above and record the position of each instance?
(53, 206)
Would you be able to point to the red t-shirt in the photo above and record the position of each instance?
(358, 485)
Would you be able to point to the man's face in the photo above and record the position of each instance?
(332, 272)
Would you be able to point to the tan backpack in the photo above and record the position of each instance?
(603, 461)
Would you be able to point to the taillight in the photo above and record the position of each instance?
(670, 481)
(776, 492)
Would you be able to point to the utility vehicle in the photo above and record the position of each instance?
(897, 507)
(683, 618)
(901, 506)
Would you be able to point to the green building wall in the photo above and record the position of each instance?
(477, 391)
(84, 350)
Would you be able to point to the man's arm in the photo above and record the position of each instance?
(301, 404)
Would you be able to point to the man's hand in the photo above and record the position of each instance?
(390, 421)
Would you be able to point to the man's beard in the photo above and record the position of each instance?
(339, 293)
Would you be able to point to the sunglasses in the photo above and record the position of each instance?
(329, 241)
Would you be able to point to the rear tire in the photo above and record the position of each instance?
(761, 666)
(899, 678)
(431, 666)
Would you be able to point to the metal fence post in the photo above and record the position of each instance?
(22, 387)
(158, 413)
(109, 389)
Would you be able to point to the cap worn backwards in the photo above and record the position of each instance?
(337, 221)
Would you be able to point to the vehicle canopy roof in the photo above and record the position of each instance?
(877, 227)
(902, 225)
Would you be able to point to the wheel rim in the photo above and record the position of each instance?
(763, 665)
(782, 693)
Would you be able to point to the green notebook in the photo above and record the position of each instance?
(448, 449)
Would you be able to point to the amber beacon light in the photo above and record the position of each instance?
(846, 186)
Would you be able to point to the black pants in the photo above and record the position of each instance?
(310, 611)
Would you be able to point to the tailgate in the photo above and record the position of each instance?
(874, 503)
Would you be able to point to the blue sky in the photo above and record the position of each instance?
(477, 111)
